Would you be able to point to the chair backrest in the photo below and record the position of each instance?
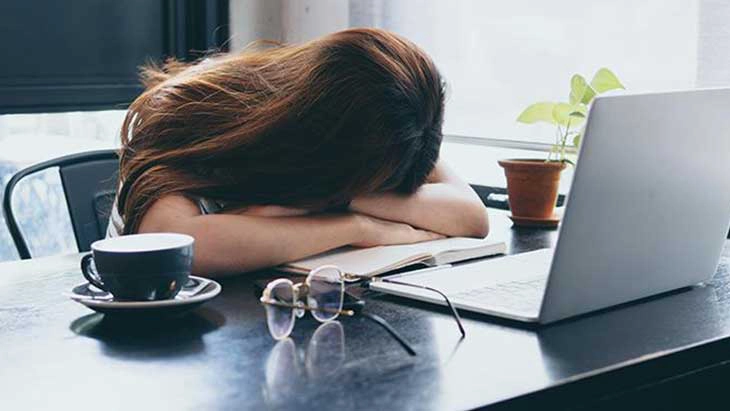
(89, 183)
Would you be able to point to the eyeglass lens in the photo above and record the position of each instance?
(325, 291)
(281, 319)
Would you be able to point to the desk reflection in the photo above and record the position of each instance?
(289, 370)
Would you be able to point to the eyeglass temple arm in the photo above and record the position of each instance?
(348, 313)
(423, 287)
(391, 331)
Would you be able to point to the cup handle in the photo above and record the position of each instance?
(90, 273)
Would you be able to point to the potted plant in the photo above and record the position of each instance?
(532, 184)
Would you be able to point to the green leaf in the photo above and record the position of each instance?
(538, 112)
(577, 114)
(604, 80)
(576, 139)
(562, 112)
(580, 90)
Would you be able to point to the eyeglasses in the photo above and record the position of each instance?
(323, 294)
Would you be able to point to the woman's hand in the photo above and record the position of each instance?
(445, 204)
(375, 232)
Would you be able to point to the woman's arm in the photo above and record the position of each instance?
(445, 204)
(230, 243)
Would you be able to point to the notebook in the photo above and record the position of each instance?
(379, 260)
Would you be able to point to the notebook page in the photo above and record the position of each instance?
(436, 247)
(362, 261)
(376, 260)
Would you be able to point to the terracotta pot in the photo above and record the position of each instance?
(532, 186)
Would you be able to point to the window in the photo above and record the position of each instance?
(498, 57)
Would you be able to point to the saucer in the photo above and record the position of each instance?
(551, 222)
(197, 291)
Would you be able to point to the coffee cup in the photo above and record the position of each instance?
(140, 267)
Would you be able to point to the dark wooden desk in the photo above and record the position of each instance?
(56, 354)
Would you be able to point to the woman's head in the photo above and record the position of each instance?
(312, 125)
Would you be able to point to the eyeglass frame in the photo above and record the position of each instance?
(298, 308)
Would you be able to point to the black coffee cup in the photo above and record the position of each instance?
(140, 267)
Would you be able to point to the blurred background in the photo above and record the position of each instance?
(69, 69)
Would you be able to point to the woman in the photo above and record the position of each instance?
(276, 154)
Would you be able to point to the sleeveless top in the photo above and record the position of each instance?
(115, 228)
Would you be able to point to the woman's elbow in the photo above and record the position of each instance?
(211, 260)
(478, 220)
(213, 256)
(210, 265)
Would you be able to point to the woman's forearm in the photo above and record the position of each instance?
(445, 208)
(239, 242)
(226, 244)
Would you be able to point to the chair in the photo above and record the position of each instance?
(89, 183)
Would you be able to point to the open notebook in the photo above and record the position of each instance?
(379, 260)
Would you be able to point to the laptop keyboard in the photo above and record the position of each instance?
(511, 286)
(515, 295)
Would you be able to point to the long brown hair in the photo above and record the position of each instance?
(310, 125)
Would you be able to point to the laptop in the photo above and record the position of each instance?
(648, 212)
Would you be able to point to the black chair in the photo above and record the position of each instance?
(89, 183)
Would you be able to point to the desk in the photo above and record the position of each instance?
(55, 353)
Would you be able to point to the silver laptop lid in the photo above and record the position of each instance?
(649, 206)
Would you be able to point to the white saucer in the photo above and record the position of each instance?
(196, 292)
